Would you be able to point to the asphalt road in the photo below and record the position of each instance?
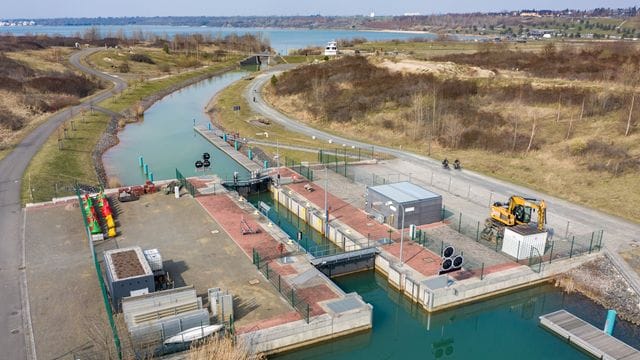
(618, 232)
(15, 337)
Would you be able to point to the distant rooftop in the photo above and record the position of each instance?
(127, 263)
(404, 192)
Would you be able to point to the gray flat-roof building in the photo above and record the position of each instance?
(421, 206)
(128, 273)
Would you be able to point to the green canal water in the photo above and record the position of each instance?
(311, 240)
(166, 139)
(503, 327)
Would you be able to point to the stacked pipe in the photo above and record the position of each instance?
(92, 219)
(107, 214)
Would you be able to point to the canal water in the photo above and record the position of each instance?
(166, 139)
(503, 327)
(311, 240)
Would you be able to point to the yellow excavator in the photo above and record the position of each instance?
(517, 211)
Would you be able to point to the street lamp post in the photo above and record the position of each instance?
(401, 233)
(326, 209)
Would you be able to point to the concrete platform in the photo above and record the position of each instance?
(587, 337)
(67, 310)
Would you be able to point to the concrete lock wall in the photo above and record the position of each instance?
(297, 334)
(315, 220)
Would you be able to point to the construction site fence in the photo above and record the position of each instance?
(558, 246)
(185, 183)
(284, 288)
(300, 168)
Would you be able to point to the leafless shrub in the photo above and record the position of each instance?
(11, 120)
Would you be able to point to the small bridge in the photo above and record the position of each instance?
(347, 262)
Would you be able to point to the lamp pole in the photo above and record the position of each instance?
(326, 209)
(401, 233)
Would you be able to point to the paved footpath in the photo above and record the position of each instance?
(16, 341)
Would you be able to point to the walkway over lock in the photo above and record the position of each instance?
(347, 262)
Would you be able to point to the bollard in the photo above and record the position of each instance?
(611, 321)
(250, 153)
(151, 176)
(236, 145)
(224, 137)
(176, 191)
(266, 164)
(140, 161)
(209, 126)
(146, 169)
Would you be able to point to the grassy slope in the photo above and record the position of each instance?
(52, 59)
(52, 167)
(244, 123)
(551, 170)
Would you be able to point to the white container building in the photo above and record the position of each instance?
(522, 241)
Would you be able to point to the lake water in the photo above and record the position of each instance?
(282, 40)
(166, 139)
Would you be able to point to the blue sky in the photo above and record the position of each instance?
(93, 8)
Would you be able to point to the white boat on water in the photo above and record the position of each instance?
(195, 333)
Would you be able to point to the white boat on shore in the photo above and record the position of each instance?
(195, 333)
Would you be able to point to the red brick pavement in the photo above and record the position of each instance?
(271, 322)
(229, 215)
(417, 257)
(346, 213)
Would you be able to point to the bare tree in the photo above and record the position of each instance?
(533, 133)
(570, 127)
(628, 130)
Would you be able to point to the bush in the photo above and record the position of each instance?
(7, 83)
(11, 120)
(66, 83)
(14, 69)
(164, 67)
(123, 67)
(142, 58)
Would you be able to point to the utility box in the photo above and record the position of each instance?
(128, 273)
(523, 241)
(420, 206)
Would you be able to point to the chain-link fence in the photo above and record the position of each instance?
(557, 246)
(284, 288)
(103, 288)
(184, 182)
(298, 167)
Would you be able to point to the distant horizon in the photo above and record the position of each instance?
(78, 9)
